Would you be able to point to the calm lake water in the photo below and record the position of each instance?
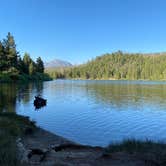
(93, 112)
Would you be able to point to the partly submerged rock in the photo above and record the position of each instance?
(39, 102)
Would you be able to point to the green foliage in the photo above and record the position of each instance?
(57, 73)
(39, 65)
(4, 77)
(3, 58)
(12, 126)
(117, 65)
(26, 62)
(131, 146)
(8, 151)
(153, 153)
(14, 68)
(9, 48)
(32, 68)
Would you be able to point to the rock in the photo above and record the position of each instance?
(22, 152)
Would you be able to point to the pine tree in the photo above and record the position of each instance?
(3, 63)
(32, 68)
(10, 50)
(26, 61)
(20, 65)
(39, 65)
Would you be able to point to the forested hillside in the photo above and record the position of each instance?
(13, 67)
(118, 65)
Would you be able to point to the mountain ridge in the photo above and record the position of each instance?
(56, 63)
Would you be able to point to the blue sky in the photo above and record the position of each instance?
(79, 30)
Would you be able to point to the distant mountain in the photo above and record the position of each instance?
(56, 63)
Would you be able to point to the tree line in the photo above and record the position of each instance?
(118, 65)
(11, 61)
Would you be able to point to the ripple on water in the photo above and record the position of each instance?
(99, 112)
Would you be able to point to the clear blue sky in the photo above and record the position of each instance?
(79, 30)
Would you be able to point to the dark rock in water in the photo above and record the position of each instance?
(39, 102)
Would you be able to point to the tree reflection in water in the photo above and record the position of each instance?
(10, 94)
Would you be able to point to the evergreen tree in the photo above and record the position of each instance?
(13, 67)
(32, 68)
(20, 65)
(39, 65)
(3, 60)
(10, 50)
(26, 61)
(119, 65)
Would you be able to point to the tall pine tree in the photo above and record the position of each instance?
(26, 61)
(3, 63)
(10, 51)
(39, 65)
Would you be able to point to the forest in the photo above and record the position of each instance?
(14, 68)
(117, 65)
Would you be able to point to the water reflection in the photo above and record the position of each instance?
(127, 94)
(92, 112)
(10, 94)
(107, 93)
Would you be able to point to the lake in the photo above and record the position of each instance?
(93, 112)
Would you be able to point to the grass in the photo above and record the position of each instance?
(12, 126)
(149, 151)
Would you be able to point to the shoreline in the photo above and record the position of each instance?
(45, 148)
(38, 147)
(57, 150)
(82, 79)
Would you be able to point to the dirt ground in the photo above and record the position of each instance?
(43, 148)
